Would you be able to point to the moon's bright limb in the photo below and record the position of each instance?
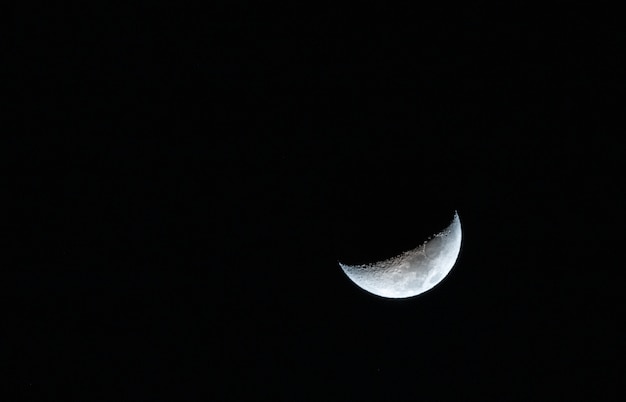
(412, 272)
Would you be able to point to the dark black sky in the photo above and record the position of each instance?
(182, 182)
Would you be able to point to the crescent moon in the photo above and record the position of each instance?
(412, 272)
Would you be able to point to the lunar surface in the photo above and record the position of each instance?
(412, 272)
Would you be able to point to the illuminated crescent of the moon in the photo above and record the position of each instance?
(412, 272)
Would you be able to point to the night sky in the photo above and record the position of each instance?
(183, 181)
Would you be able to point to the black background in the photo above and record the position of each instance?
(182, 182)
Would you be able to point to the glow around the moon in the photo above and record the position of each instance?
(412, 272)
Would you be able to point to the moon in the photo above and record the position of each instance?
(412, 272)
